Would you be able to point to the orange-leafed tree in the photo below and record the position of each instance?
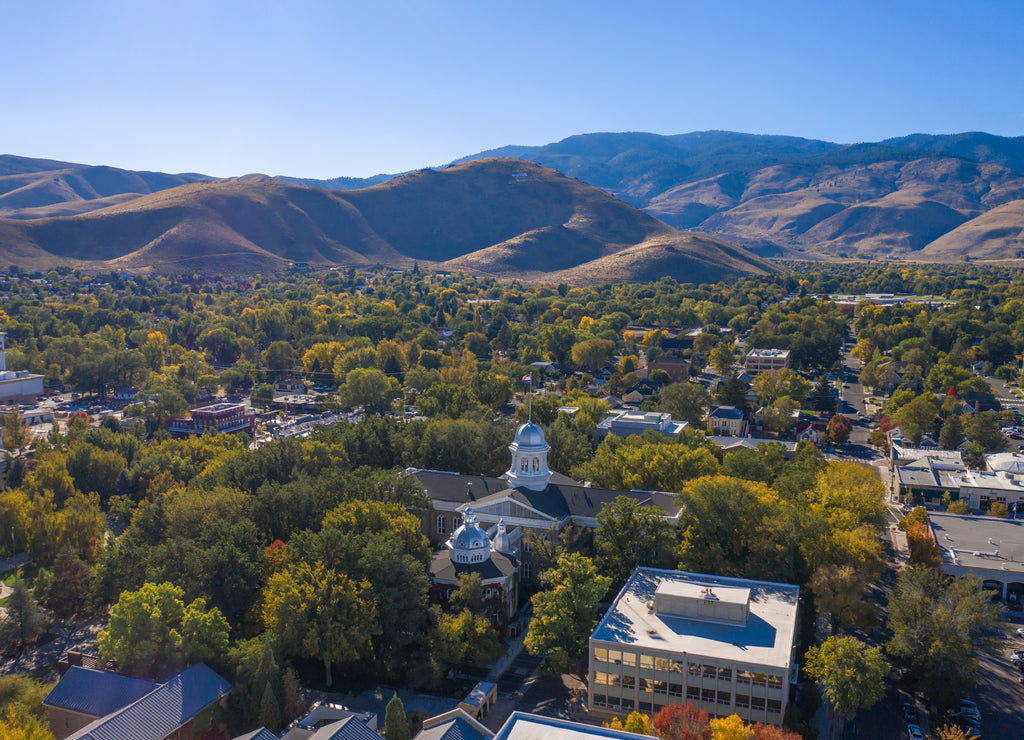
(682, 722)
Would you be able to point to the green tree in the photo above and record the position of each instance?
(851, 674)
(685, 401)
(917, 417)
(15, 434)
(771, 385)
(592, 354)
(396, 724)
(983, 429)
(938, 627)
(270, 709)
(839, 597)
(68, 595)
(733, 527)
(22, 622)
(629, 535)
(319, 613)
(151, 632)
(951, 436)
(565, 613)
(723, 356)
(369, 388)
(279, 356)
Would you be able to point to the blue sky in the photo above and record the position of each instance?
(325, 89)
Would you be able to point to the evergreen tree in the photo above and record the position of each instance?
(294, 703)
(396, 724)
(951, 436)
(270, 710)
(23, 622)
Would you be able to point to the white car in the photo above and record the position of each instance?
(1020, 631)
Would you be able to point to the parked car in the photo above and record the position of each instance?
(909, 713)
(914, 732)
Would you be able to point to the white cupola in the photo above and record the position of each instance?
(529, 467)
(469, 543)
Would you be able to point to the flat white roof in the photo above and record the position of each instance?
(521, 726)
(974, 539)
(765, 639)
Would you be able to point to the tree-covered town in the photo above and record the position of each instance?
(746, 510)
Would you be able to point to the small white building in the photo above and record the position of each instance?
(627, 423)
(726, 645)
(17, 386)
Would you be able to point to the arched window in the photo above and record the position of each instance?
(536, 465)
(525, 465)
(440, 525)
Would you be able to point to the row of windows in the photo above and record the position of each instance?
(703, 670)
(752, 704)
(456, 521)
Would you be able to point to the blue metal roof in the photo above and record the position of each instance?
(454, 729)
(261, 734)
(161, 711)
(349, 728)
(96, 693)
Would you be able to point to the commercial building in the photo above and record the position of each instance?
(225, 418)
(759, 360)
(627, 423)
(725, 645)
(17, 386)
(987, 547)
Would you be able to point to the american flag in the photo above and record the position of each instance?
(527, 378)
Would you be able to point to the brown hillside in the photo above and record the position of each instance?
(998, 234)
(35, 183)
(500, 217)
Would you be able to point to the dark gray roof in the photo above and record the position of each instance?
(161, 711)
(96, 693)
(498, 566)
(560, 501)
(563, 497)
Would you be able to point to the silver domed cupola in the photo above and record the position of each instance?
(529, 467)
(469, 543)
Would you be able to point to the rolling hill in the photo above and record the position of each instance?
(35, 188)
(501, 217)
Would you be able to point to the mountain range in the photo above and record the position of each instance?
(502, 217)
(717, 194)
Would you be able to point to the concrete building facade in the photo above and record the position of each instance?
(726, 645)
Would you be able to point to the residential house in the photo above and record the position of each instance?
(726, 421)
